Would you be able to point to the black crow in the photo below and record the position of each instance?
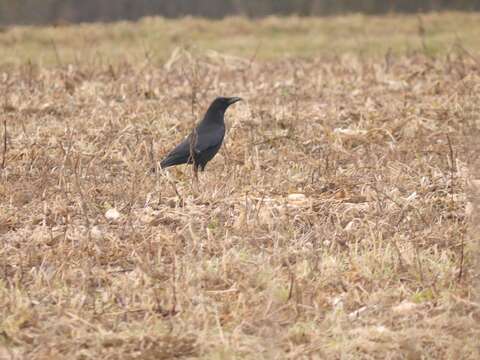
(205, 140)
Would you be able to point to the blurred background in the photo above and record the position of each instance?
(73, 11)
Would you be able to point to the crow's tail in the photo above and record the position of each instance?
(172, 160)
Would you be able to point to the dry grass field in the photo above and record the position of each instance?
(333, 224)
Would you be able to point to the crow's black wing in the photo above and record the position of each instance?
(179, 155)
(208, 140)
(208, 137)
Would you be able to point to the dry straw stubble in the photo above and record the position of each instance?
(331, 223)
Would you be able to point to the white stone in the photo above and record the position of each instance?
(112, 214)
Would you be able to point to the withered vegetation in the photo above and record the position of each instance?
(332, 224)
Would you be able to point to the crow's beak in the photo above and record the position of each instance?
(233, 100)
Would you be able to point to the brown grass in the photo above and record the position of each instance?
(331, 225)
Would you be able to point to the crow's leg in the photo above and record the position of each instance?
(195, 172)
(195, 179)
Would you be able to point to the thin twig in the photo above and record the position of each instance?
(55, 49)
(83, 204)
(292, 284)
(191, 157)
(421, 33)
(462, 256)
(174, 285)
(4, 156)
(453, 166)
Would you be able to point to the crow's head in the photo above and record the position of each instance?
(224, 102)
(216, 111)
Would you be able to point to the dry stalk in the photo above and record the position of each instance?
(83, 203)
(4, 153)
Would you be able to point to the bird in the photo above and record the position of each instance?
(202, 144)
